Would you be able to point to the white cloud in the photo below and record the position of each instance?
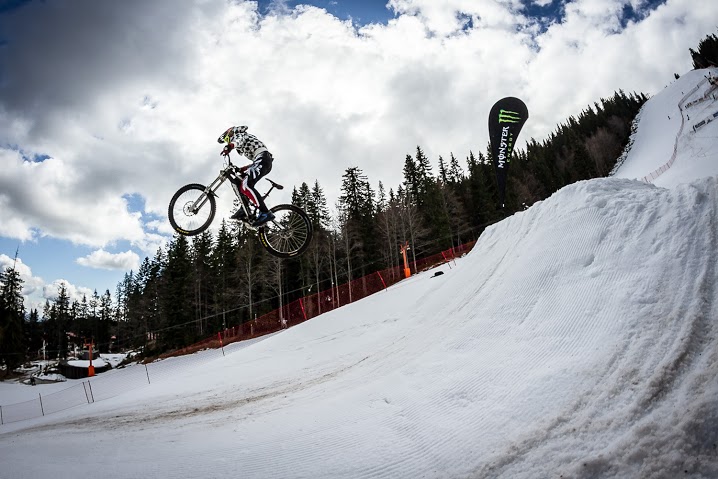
(143, 117)
(31, 284)
(52, 290)
(101, 259)
(36, 291)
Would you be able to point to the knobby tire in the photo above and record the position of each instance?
(289, 234)
(182, 219)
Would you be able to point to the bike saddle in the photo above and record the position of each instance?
(276, 185)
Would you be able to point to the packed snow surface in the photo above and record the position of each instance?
(577, 339)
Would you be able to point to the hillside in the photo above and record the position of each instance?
(577, 339)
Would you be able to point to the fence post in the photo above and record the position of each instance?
(301, 303)
(148, 375)
(1, 421)
(219, 335)
(41, 408)
(446, 260)
(382, 279)
(84, 388)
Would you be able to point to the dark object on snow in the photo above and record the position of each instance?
(79, 372)
(438, 273)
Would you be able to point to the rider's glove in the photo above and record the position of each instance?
(227, 149)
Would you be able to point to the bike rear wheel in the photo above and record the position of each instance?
(184, 219)
(288, 234)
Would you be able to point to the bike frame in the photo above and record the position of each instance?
(226, 173)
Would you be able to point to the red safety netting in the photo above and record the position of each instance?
(315, 304)
(303, 309)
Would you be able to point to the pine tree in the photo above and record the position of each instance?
(423, 171)
(304, 274)
(93, 321)
(356, 205)
(64, 319)
(33, 331)
(203, 281)
(355, 198)
(707, 54)
(82, 324)
(12, 318)
(273, 279)
(411, 179)
(177, 298)
(249, 272)
(224, 272)
(389, 221)
(106, 314)
(136, 326)
(320, 212)
(455, 174)
(50, 327)
(481, 187)
(443, 172)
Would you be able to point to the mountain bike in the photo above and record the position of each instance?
(192, 209)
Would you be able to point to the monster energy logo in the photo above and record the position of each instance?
(506, 116)
(504, 145)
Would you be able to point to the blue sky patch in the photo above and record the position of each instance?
(362, 12)
(41, 257)
(632, 15)
(39, 158)
(135, 202)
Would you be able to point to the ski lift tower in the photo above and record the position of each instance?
(91, 368)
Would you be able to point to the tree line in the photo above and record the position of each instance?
(191, 289)
(707, 53)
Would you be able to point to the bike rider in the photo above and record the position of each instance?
(249, 145)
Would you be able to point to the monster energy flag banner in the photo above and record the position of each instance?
(507, 117)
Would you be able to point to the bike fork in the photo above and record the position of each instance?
(209, 190)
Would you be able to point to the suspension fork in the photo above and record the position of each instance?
(210, 190)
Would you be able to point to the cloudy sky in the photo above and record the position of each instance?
(106, 107)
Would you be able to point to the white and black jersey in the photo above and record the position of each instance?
(250, 146)
(247, 144)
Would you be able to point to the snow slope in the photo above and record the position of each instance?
(577, 339)
(660, 123)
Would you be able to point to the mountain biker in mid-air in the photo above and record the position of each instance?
(237, 138)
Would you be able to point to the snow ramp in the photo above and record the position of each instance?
(577, 339)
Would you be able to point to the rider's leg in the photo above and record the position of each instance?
(260, 167)
(243, 209)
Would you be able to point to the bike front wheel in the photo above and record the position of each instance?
(288, 234)
(191, 210)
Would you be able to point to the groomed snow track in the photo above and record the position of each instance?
(577, 339)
